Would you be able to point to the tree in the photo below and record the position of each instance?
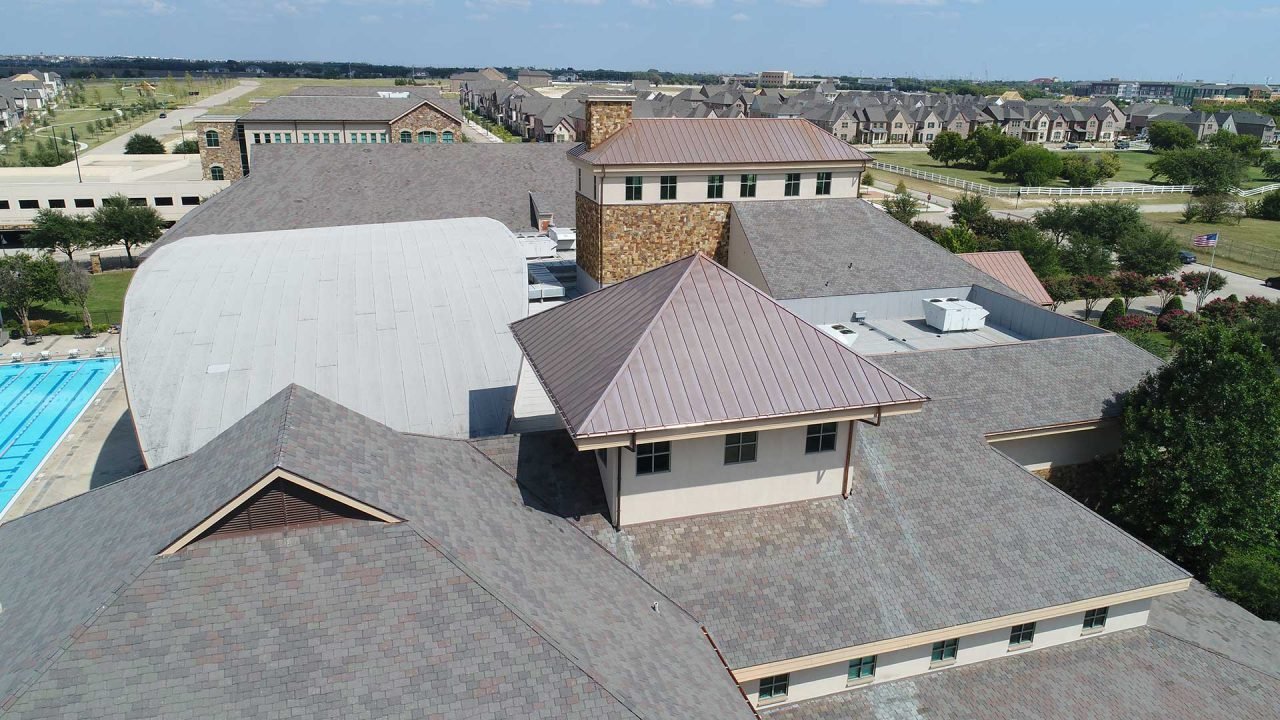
(1029, 165)
(143, 144)
(948, 147)
(1039, 251)
(987, 144)
(1168, 135)
(957, 239)
(1168, 287)
(1248, 147)
(56, 231)
(1115, 310)
(1213, 209)
(1211, 170)
(186, 147)
(26, 281)
(74, 288)
(902, 206)
(1086, 255)
(969, 210)
(1250, 577)
(1108, 221)
(1061, 289)
(1092, 288)
(1271, 166)
(117, 221)
(1059, 219)
(1149, 251)
(1198, 471)
(1130, 285)
(1203, 282)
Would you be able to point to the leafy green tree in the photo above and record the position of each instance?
(1211, 170)
(1059, 220)
(1250, 577)
(143, 144)
(1271, 166)
(1168, 135)
(1130, 285)
(1249, 147)
(27, 281)
(1198, 471)
(118, 222)
(902, 206)
(1148, 252)
(186, 147)
(1092, 288)
(1086, 255)
(957, 239)
(1039, 251)
(56, 231)
(74, 288)
(948, 147)
(1115, 310)
(1108, 221)
(1203, 282)
(1267, 207)
(1080, 171)
(987, 144)
(1215, 208)
(1029, 165)
(1061, 289)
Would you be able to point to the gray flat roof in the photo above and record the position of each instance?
(403, 322)
(362, 184)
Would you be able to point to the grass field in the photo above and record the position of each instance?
(1133, 168)
(1251, 248)
(106, 301)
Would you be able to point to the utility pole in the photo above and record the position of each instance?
(75, 148)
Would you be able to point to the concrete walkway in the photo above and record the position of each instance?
(1242, 286)
(161, 128)
(475, 133)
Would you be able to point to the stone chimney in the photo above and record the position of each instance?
(606, 115)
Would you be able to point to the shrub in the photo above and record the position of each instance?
(868, 180)
(1227, 310)
(1136, 322)
(1196, 281)
(38, 325)
(1250, 577)
(186, 147)
(1115, 310)
(1148, 341)
(1175, 303)
(1167, 288)
(927, 229)
(1267, 207)
(143, 144)
(1175, 322)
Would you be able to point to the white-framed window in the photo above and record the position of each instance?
(774, 688)
(406, 136)
(820, 437)
(824, 184)
(1022, 635)
(792, 186)
(634, 188)
(747, 186)
(740, 448)
(715, 187)
(653, 458)
(215, 173)
(861, 669)
(211, 139)
(944, 651)
(667, 187)
(1095, 619)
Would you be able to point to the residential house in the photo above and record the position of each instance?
(1262, 127)
(457, 80)
(533, 78)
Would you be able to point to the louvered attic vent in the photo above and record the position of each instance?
(282, 504)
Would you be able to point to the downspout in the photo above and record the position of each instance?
(617, 495)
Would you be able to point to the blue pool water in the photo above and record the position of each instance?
(38, 402)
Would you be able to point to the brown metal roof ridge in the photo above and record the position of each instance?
(707, 141)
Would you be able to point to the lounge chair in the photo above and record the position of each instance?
(73, 353)
(44, 354)
(16, 357)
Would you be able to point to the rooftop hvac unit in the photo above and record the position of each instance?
(953, 314)
(843, 333)
(389, 94)
(566, 238)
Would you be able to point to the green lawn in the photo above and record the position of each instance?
(106, 302)
(922, 161)
(1251, 248)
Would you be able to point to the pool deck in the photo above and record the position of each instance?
(100, 447)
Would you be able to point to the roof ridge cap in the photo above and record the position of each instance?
(282, 433)
(648, 328)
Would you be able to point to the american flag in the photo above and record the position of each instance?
(1210, 240)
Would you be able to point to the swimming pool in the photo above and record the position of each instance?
(38, 402)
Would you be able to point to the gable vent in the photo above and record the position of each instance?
(280, 505)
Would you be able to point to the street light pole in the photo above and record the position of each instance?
(75, 148)
(182, 128)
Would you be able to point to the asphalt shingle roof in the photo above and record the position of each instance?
(304, 186)
(362, 619)
(836, 246)
(333, 107)
(939, 530)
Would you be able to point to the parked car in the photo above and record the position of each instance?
(1273, 282)
(1188, 258)
(1122, 144)
(164, 115)
(1070, 146)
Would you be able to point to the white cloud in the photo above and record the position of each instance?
(915, 3)
(804, 3)
(642, 3)
(694, 3)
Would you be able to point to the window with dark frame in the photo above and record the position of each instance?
(740, 448)
(405, 137)
(863, 668)
(211, 139)
(945, 650)
(57, 203)
(84, 202)
(824, 184)
(635, 188)
(1021, 635)
(715, 187)
(667, 187)
(792, 188)
(190, 199)
(137, 201)
(820, 438)
(1095, 619)
(163, 201)
(28, 204)
(747, 186)
(774, 687)
(216, 173)
(653, 458)
(4, 204)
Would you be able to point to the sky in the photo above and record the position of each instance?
(1227, 40)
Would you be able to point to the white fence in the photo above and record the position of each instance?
(992, 190)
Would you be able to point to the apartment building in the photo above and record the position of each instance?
(326, 116)
(652, 190)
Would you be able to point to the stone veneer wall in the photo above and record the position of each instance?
(227, 154)
(424, 118)
(604, 118)
(617, 242)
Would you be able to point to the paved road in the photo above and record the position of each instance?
(1242, 286)
(169, 125)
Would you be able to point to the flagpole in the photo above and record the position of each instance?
(1204, 289)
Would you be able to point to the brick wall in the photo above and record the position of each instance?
(617, 242)
(604, 118)
(424, 118)
(227, 154)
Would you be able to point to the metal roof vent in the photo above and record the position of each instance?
(953, 314)
(280, 505)
(845, 334)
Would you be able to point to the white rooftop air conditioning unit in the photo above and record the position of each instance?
(843, 333)
(392, 95)
(566, 238)
(953, 314)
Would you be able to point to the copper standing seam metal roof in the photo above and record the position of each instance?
(719, 141)
(691, 344)
(1010, 268)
